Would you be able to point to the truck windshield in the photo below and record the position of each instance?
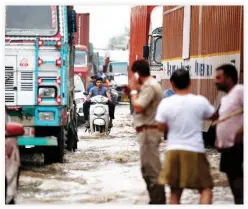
(118, 68)
(31, 21)
(80, 59)
(158, 50)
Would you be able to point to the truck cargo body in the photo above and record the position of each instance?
(81, 39)
(139, 29)
(201, 38)
(215, 38)
(83, 29)
(198, 38)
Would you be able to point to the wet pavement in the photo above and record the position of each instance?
(104, 169)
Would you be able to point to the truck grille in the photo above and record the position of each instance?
(9, 97)
(27, 81)
(9, 84)
(9, 78)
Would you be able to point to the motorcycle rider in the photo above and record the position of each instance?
(92, 83)
(99, 89)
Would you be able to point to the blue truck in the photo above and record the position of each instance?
(39, 77)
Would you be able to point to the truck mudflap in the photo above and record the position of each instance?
(37, 141)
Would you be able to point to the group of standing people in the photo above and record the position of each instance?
(181, 115)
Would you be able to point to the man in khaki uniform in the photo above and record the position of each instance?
(146, 94)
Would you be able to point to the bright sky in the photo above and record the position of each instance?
(105, 21)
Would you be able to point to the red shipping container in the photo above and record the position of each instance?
(139, 29)
(83, 29)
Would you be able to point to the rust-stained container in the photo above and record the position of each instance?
(216, 37)
(139, 29)
(83, 29)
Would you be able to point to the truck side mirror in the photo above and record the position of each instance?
(146, 51)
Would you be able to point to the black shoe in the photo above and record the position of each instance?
(110, 124)
(87, 125)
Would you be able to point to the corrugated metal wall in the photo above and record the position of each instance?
(139, 27)
(83, 27)
(215, 30)
(220, 29)
(172, 33)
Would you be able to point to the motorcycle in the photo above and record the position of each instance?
(99, 114)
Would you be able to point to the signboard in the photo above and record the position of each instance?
(200, 67)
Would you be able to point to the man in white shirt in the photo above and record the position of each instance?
(186, 165)
(230, 132)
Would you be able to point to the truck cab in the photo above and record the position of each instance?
(39, 84)
(81, 67)
(118, 72)
(153, 51)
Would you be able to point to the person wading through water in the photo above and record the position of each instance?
(230, 132)
(186, 165)
(146, 93)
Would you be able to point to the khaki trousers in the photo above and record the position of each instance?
(151, 165)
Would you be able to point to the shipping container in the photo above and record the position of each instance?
(139, 29)
(201, 38)
(83, 29)
(82, 46)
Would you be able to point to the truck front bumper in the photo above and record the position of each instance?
(37, 141)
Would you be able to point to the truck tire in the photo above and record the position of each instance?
(70, 140)
(56, 154)
(60, 149)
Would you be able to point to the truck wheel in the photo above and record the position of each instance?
(48, 155)
(60, 149)
(70, 140)
(56, 154)
(75, 141)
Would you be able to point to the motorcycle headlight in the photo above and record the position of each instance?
(99, 111)
(81, 100)
(46, 116)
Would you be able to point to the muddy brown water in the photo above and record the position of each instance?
(104, 169)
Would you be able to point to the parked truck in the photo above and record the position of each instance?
(81, 39)
(198, 38)
(39, 70)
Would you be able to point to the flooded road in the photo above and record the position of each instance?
(104, 170)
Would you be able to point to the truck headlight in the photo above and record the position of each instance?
(99, 111)
(46, 116)
(47, 92)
